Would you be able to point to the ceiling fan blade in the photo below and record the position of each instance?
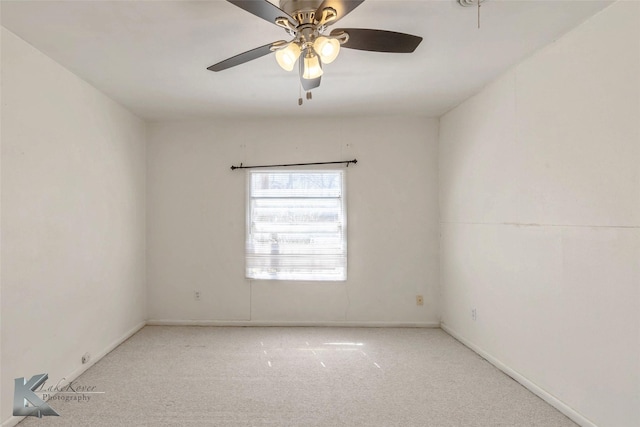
(342, 7)
(379, 40)
(310, 84)
(243, 57)
(264, 9)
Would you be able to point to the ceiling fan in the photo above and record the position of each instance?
(306, 21)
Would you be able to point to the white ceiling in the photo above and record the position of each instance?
(151, 56)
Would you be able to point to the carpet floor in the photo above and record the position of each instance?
(272, 376)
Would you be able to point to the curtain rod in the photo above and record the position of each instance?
(354, 161)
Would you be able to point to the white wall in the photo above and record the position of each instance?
(196, 220)
(540, 219)
(1, 72)
(73, 219)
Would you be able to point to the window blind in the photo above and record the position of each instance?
(296, 225)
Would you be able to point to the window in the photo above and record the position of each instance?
(296, 225)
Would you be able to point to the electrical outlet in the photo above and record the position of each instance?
(474, 314)
(85, 358)
(419, 300)
(196, 295)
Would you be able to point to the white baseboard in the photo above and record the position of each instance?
(574, 415)
(350, 324)
(13, 420)
(75, 374)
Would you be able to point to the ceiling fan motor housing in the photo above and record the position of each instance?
(304, 12)
(294, 7)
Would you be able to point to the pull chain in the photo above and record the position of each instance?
(470, 4)
(308, 95)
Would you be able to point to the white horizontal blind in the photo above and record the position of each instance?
(296, 225)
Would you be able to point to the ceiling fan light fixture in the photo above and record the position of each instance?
(328, 48)
(310, 47)
(312, 68)
(287, 56)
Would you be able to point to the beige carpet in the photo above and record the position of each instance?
(208, 376)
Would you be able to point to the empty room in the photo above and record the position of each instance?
(320, 213)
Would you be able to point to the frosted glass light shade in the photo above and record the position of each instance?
(312, 67)
(287, 57)
(327, 48)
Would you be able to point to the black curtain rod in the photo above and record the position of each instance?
(354, 161)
